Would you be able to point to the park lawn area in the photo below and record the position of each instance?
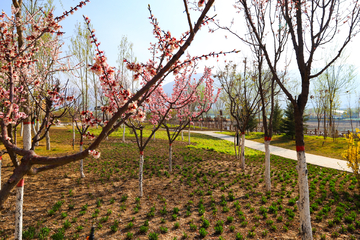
(206, 196)
(313, 144)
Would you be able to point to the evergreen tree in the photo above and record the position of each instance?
(288, 123)
(252, 123)
(277, 118)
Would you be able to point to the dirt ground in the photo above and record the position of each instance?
(201, 182)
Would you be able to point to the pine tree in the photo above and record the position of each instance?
(288, 123)
(252, 123)
(277, 118)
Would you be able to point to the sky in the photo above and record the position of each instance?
(113, 19)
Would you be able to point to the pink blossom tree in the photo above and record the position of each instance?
(16, 60)
(188, 101)
(159, 106)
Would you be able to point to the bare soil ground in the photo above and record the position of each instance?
(206, 190)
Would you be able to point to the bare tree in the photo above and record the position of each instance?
(243, 100)
(311, 25)
(336, 80)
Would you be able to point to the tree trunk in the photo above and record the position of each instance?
(34, 131)
(123, 139)
(47, 137)
(27, 135)
(141, 168)
(324, 125)
(182, 135)
(318, 128)
(82, 175)
(170, 157)
(242, 155)
(73, 130)
(267, 166)
(19, 209)
(37, 128)
(15, 135)
(303, 203)
(20, 185)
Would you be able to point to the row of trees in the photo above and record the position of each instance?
(29, 57)
(304, 27)
(29, 54)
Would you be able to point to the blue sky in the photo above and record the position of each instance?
(113, 19)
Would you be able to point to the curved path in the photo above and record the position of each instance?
(286, 153)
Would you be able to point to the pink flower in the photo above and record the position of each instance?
(94, 153)
(132, 107)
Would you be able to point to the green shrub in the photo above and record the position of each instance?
(29, 233)
(203, 232)
(153, 236)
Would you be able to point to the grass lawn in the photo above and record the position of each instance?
(207, 196)
(313, 144)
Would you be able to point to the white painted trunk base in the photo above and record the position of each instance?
(27, 136)
(123, 139)
(82, 175)
(267, 166)
(170, 157)
(47, 138)
(242, 154)
(20, 185)
(303, 202)
(182, 135)
(141, 169)
(19, 210)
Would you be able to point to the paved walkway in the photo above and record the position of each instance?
(290, 154)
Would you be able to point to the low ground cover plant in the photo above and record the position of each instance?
(206, 195)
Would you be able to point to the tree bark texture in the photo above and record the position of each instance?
(82, 175)
(123, 139)
(242, 154)
(73, 130)
(141, 169)
(47, 138)
(303, 202)
(37, 128)
(19, 210)
(267, 166)
(27, 136)
(170, 157)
